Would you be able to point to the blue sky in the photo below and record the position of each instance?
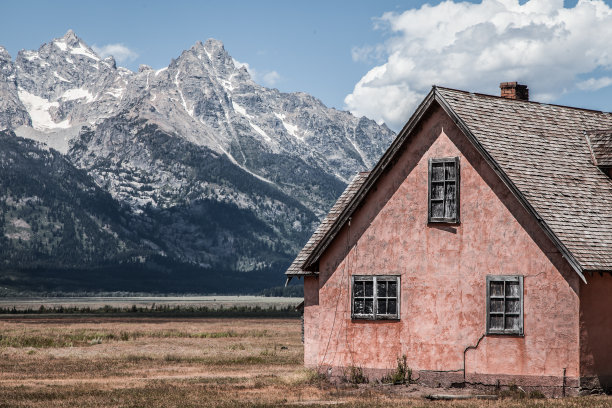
(344, 53)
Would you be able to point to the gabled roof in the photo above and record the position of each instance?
(539, 151)
(295, 269)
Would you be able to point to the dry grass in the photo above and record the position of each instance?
(155, 362)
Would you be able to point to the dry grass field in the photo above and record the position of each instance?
(82, 361)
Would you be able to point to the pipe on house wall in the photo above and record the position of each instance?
(466, 350)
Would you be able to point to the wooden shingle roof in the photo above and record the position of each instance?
(542, 154)
(295, 269)
(600, 142)
(543, 151)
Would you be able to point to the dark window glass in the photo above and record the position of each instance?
(437, 172)
(369, 306)
(369, 288)
(504, 304)
(375, 297)
(359, 289)
(444, 190)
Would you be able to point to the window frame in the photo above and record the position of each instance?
(374, 279)
(504, 278)
(447, 220)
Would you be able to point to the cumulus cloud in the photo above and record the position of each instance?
(268, 78)
(271, 78)
(476, 46)
(239, 64)
(593, 84)
(120, 52)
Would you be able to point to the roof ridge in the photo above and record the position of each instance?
(520, 100)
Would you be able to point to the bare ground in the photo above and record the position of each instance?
(157, 362)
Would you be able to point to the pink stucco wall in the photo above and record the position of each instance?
(443, 271)
(596, 331)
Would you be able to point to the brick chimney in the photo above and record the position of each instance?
(513, 90)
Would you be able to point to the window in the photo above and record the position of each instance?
(375, 297)
(505, 305)
(444, 190)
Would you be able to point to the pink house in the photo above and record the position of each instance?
(479, 246)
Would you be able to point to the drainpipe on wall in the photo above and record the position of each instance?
(466, 350)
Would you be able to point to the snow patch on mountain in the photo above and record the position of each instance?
(291, 129)
(61, 44)
(38, 108)
(61, 78)
(77, 93)
(84, 50)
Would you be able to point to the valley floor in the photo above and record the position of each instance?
(81, 361)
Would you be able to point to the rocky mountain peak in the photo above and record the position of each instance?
(70, 38)
(213, 45)
(4, 55)
(110, 60)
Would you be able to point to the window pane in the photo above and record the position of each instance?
(359, 306)
(392, 306)
(513, 306)
(497, 306)
(437, 171)
(512, 323)
(392, 291)
(369, 288)
(497, 322)
(381, 288)
(359, 289)
(497, 288)
(437, 191)
(369, 306)
(449, 171)
(512, 289)
(450, 208)
(437, 209)
(382, 306)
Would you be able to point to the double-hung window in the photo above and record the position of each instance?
(443, 190)
(505, 305)
(375, 297)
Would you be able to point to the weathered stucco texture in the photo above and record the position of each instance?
(596, 332)
(443, 269)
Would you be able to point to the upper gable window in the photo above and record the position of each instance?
(444, 190)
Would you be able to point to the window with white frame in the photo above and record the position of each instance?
(375, 297)
(505, 305)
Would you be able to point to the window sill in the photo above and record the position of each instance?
(374, 319)
(444, 222)
(508, 334)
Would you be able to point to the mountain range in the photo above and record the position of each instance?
(190, 178)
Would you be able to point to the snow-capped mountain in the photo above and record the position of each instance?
(198, 135)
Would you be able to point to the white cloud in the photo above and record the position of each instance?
(593, 84)
(477, 46)
(268, 78)
(120, 52)
(271, 78)
(239, 64)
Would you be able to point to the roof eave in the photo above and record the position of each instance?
(372, 178)
(511, 186)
